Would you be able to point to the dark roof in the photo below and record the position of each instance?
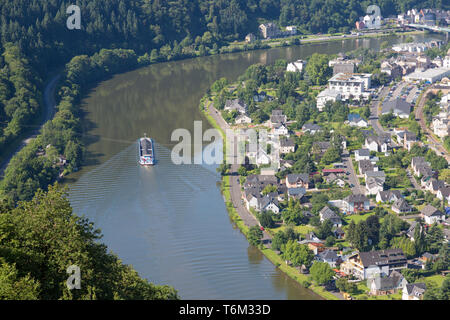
(363, 152)
(382, 257)
(388, 195)
(356, 198)
(297, 177)
(397, 106)
(365, 165)
(401, 204)
(328, 255)
(326, 213)
(429, 211)
(287, 143)
(311, 126)
(416, 289)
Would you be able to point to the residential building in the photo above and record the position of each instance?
(280, 129)
(444, 194)
(327, 214)
(296, 66)
(401, 206)
(398, 107)
(431, 215)
(388, 196)
(269, 30)
(355, 120)
(296, 193)
(365, 265)
(433, 185)
(277, 118)
(362, 154)
(235, 105)
(287, 146)
(366, 165)
(414, 291)
(355, 203)
(327, 95)
(330, 257)
(409, 139)
(391, 284)
(346, 67)
(312, 128)
(380, 175)
(297, 180)
(242, 119)
(374, 186)
(354, 85)
(377, 144)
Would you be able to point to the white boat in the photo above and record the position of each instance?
(146, 152)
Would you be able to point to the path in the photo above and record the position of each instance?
(50, 106)
(436, 144)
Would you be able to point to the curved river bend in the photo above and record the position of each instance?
(170, 222)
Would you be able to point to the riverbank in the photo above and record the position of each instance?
(226, 188)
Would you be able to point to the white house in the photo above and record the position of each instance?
(355, 120)
(243, 118)
(325, 96)
(414, 291)
(432, 215)
(280, 129)
(296, 66)
(376, 144)
(374, 186)
(362, 154)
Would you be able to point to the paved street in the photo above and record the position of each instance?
(235, 188)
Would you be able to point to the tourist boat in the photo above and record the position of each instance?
(146, 152)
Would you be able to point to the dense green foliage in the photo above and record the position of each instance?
(41, 238)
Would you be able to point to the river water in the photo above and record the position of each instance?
(169, 221)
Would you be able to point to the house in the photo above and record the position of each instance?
(312, 128)
(235, 105)
(280, 129)
(269, 30)
(365, 165)
(398, 107)
(250, 38)
(339, 233)
(277, 118)
(420, 167)
(296, 193)
(315, 247)
(330, 257)
(401, 206)
(431, 215)
(433, 185)
(362, 154)
(320, 147)
(379, 285)
(251, 198)
(327, 95)
(380, 175)
(261, 97)
(444, 193)
(243, 118)
(365, 265)
(287, 146)
(355, 120)
(409, 138)
(347, 67)
(297, 180)
(269, 203)
(374, 186)
(376, 144)
(356, 203)
(327, 214)
(441, 125)
(388, 196)
(296, 66)
(351, 85)
(414, 291)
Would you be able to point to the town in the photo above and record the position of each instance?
(355, 196)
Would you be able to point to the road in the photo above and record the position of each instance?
(352, 177)
(49, 111)
(436, 144)
(235, 187)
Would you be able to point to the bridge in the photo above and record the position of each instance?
(431, 28)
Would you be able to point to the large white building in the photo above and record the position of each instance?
(354, 85)
(430, 75)
(327, 95)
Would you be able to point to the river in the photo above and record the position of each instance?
(170, 222)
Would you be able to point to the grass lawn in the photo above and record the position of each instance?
(303, 229)
(358, 217)
(365, 296)
(436, 279)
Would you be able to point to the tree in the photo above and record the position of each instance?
(345, 286)
(269, 189)
(434, 238)
(373, 230)
(330, 241)
(325, 229)
(255, 235)
(278, 240)
(318, 69)
(321, 272)
(297, 254)
(266, 219)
